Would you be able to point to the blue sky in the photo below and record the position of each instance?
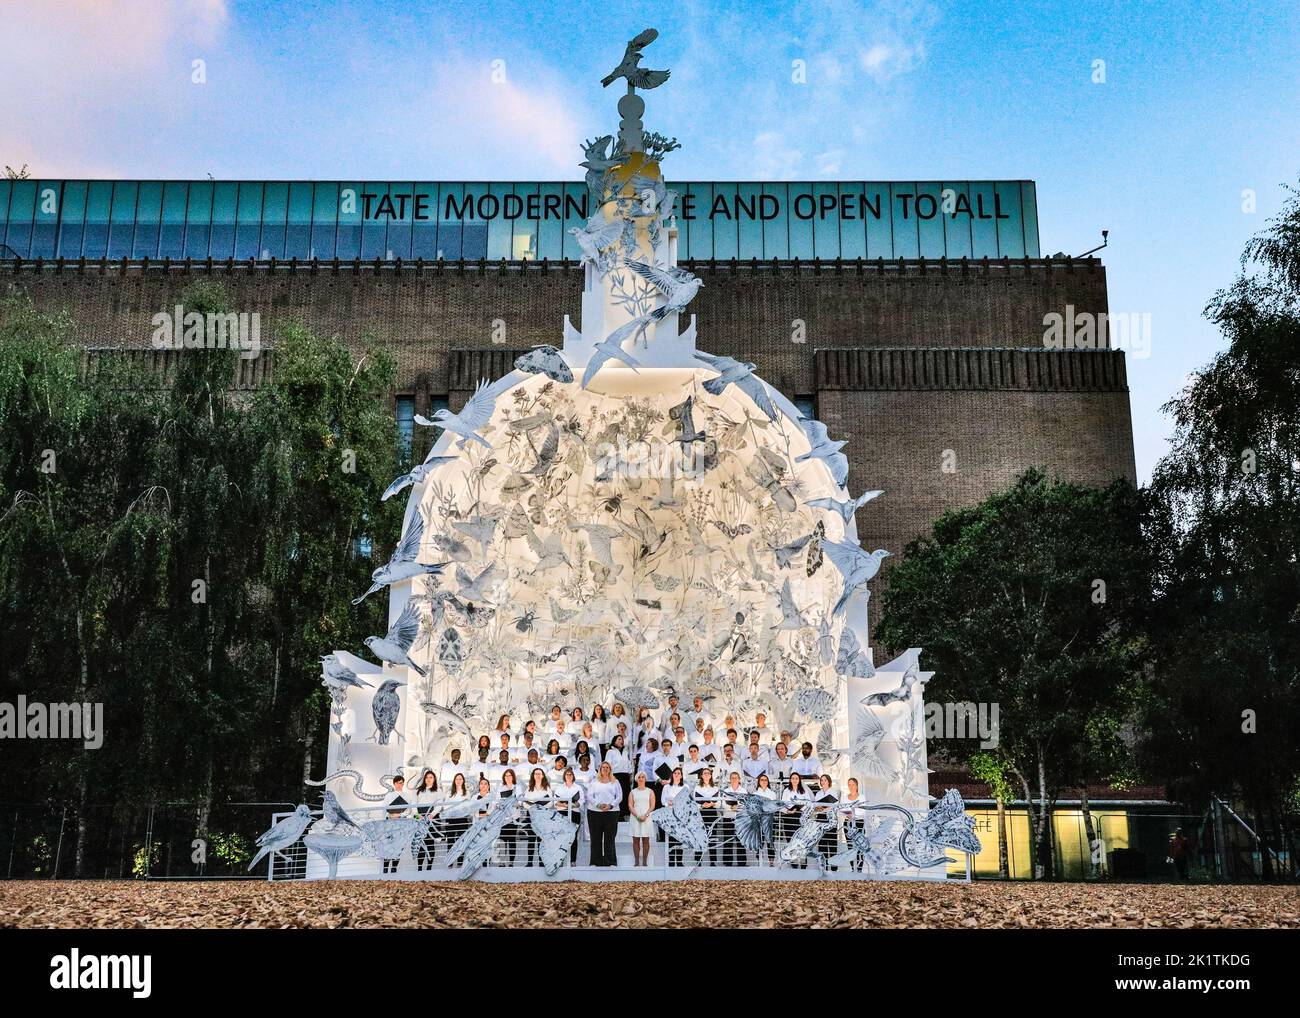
(1199, 105)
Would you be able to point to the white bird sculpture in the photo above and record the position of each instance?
(402, 565)
(283, 834)
(824, 449)
(678, 286)
(605, 351)
(630, 66)
(844, 509)
(741, 375)
(396, 646)
(474, 415)
(855, 565)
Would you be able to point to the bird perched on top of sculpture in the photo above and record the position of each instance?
(630, 66)
(474, 415)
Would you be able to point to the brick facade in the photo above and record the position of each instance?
(909, 359)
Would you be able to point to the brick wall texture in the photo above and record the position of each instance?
(908, 359)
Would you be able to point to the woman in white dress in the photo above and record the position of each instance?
(640, 804)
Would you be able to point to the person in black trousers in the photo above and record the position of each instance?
(604, 798)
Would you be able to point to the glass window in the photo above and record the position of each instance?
(45, 218)
(749, 224)
(297, 231)
(450, 227)
(73, 219)
(4, 217)
(1029, 209)
(350, 211)
(550, 225)
(248, 221)
(879, 214)
(399, 227)
(1011, 235)
(803, 210)
(198, 220)
(474, 231)
(695, 204)
(121, 225)
(22, 203)
(171, 238)
(424, 220)
(275, 213)
(853, 225)
(376, 209)
(324, 221)
(148, 218)
(99, 204)
(929, 219)
(726, 230)
(224, 197)
(576, 211)
(983, 228)
(405, 408)
(956, 223)
(907, 239)
(807, 407)
(523, 239)
(500, 230)
(826, 224)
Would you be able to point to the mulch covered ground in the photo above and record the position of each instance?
(82, 904)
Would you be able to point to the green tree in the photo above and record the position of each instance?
(1226, 527)
(1031, 600)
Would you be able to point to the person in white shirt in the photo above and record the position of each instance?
(764, 790)
(620, 763)
(583, 748)
(681, 741)
(598, 723)
(706, 793)
(562, 735)
(692, 766)
(427, 797)
(451, 768)
(795, 797)
(673, 725)
(676, 786)
(647, 761)
(728, 765)
(765, 734)
(585, 772)
(454, 827)
(779, 766)
(698, 736)
(617, 727)
(806, 765)
(710, 751)
(556, 774)
(555, 718)
(568, 798)
(538, 796)
(732, 741)
(604, 799)
(754, 765)
(855, 817)
(666, 723)
(552, 748)
(755, 742)
(617, 716)
(733, 852)
(670, 753)
(494, 771)
(508, 788)
(533, 759)
(588, 737)
(698, 713)
(504, 724)
(828, 844)
(577, 719)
